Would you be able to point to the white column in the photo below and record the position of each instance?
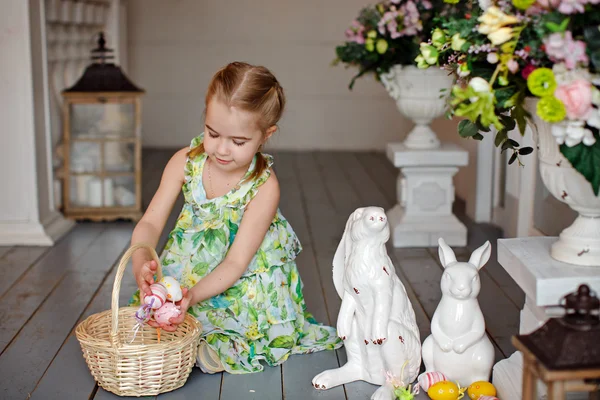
(425, 196)
(545, 281)
(27, 213)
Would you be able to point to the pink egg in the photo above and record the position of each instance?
(158, 296)
(482, 397)
(427, 379)
(167, 311)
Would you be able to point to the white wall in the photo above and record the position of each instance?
(176, 46)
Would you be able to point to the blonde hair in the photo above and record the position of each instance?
(249, 88)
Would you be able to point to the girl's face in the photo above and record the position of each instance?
(231, 136)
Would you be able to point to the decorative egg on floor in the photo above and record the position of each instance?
(167, 311)
(487, 398)
(445, 390)
(480, 388)
(427, 379)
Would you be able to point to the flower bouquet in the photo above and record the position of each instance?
(504, 52)
(387, 33)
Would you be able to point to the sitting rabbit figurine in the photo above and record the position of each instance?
(458, 346)
(376, 320)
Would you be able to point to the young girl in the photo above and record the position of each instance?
(231, 249)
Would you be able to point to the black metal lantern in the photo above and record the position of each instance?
(572, 341)
(102, 141)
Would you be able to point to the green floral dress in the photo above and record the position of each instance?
(263, 316)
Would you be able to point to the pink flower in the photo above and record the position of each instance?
(512, 65)
(525, 72)
(572, 6)
(548, 3)
(564, 48)
(577, 98)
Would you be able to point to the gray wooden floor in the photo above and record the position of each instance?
(45, 292)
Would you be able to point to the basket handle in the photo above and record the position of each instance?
(114, 337)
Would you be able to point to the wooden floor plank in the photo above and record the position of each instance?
(16, 262)
(69, 363)
(299, 370)
(265, 385)
(21, 301)
(4, 250)
(29, 355)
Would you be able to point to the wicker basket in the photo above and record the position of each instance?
(144, 367)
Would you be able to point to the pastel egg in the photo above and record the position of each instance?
(429, 378)
(173, 287)
(444, 390)
(158, 296)
(166, 312)
(481, 388)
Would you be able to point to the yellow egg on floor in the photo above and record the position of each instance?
(444, 390)
(481, 388)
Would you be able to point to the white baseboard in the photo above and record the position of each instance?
(34, 233)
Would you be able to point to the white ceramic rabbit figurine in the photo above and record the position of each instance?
(458, 346)
(376, 319)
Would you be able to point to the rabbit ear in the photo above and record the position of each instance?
(339, 258)
(481, 255)
(357, 214)
(446, 254)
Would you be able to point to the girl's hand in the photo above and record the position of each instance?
(184, 304)
(145, 277)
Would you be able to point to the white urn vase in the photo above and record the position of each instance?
(418, 96)
(579, 243)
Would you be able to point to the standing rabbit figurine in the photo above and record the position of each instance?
(376, 320)
(458, 346)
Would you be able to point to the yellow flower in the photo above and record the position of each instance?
(541, 82)
(382, 46)
(523, 4)
(493, 19)
(551, 109)
(185, 219)
(372, 34)
(457, 42)
(252, 332)
(429, 53)
(369, 44)
(500, 36)
(438, 38)
(421, 63)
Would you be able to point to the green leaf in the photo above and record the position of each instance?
(586, 160)
(514, 143)
(466, 128)
(508, 122)
(478, 136)
(525, 150)
(283, 342)
(520, 114)
(513, 158)
(501, 137)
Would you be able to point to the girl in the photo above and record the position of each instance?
(231, 249)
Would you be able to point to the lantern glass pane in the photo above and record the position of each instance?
(102, 120)
(123, 188)
(85, 157)
(119, 156)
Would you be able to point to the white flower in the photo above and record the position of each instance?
(492, 58)
(572, 133)
(480, 85)
(565, 76)
(595, 96)
(594, 118)
(485, 4)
